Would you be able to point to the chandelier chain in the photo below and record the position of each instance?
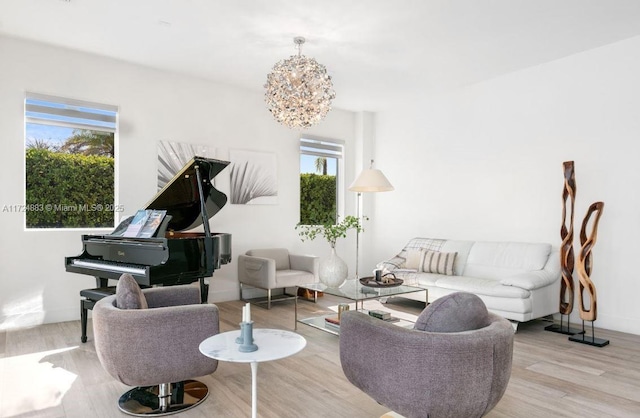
(299, 41)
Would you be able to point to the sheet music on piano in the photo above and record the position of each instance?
(173, 254)
(146, 223)
(137, 222)
(152, 223)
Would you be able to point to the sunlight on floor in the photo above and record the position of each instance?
(33, 382)
(22, 313)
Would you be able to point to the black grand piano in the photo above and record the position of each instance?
(171, 256)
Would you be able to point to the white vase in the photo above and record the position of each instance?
(333, 270)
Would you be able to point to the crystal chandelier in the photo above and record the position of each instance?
(299, 90)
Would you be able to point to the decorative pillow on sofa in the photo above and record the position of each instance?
(128, 294)
(399, 260)
(414, 259)
(437, 262)
(455, 312)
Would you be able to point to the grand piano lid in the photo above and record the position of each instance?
(181, 197)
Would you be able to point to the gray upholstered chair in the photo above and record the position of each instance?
(275, 268)
(455, 362)
(149, 338)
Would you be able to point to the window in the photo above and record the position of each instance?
(69, 163)
(320, 171)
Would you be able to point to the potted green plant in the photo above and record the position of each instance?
(332, 271)
(330, 232)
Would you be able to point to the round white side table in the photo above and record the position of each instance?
(273, 344)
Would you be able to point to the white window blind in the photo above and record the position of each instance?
(320, 148)
(50, 110)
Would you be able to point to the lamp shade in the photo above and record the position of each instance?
(371, 180)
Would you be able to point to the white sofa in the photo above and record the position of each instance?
(519, 281)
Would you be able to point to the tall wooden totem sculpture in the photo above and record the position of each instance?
(566, 253)
(587, 289)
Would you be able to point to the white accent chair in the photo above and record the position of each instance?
(276, 268)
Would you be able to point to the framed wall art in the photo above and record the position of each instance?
(253, 178)
(172, 156)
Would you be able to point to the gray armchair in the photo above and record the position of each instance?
(457, 364)
(149, 338)
(275, 268)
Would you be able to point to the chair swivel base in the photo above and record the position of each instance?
(146, 401)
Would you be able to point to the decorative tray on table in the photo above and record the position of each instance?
(384, 282)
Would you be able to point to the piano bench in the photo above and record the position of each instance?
(91, 296)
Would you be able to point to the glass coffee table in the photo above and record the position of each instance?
(355, 292)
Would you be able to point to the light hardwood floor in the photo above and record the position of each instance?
(46, 372)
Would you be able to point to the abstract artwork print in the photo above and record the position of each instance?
(172, 156)
(253, 178)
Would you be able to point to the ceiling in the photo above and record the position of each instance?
(377, 51)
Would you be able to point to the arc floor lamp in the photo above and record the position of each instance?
(370, 180)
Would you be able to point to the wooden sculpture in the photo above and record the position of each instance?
(566, 233)
(566, 252)
(585, 263)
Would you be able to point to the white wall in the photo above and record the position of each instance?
(153, 106)
(485, 163)
(482, 163)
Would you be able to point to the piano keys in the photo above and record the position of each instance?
(176, 256)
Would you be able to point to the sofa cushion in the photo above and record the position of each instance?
(531, 280)
(460, 247)
(291, 278)
(438, 262)
(280, 255)
(422, 279)
(413, 259)
(400, 259)
(502, 259)
(128, 294)
(456, 312)
(488, 287)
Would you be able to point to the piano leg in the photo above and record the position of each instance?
(204, 291)
(83, 318)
